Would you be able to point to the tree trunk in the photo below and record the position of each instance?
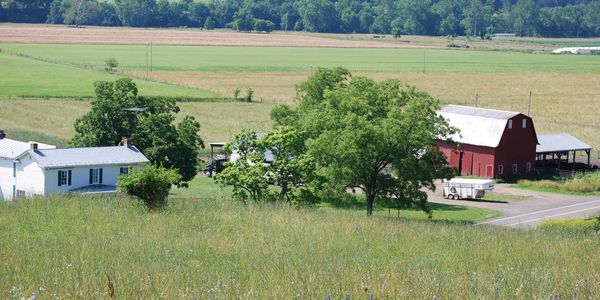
(283, 192)
(370, 201)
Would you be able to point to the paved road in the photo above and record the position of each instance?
(533, 210)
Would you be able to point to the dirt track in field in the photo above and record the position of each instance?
(61, 34)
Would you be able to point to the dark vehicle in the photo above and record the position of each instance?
(215, 167)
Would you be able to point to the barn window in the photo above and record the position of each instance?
(509, 124)
(524, 123)
(515, 168)
(500, 169)
(528, 167)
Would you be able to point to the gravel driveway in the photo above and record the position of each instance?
(533, 209)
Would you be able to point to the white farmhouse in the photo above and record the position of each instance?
(30, 169)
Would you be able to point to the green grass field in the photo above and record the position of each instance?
(273, 59)
(212, 248)
(25, 77)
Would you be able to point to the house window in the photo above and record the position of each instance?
(124, 170)
(20, 194)
(94, 176)
(500, 169)
(524, 123)
(509, 124)
(64, 177)
(14, 169)
(528, 167)
(515, 168)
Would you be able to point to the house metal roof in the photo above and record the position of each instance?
(93, 156)
(561, 142)
(478, 126)
(12, 149)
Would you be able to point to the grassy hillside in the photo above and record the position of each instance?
(272, 59)
(212, 248)
(31, 78)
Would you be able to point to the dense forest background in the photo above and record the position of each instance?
(547, 18)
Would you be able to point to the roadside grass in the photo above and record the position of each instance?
(277, 59)
(31, 78)
(72, 247)
(52, 120)
(589, 225)
(585, 184)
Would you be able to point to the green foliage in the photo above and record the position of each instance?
(249, 94)
(426, 17)
(209, 24)
(372, 136)
(152, 129)
(247, 174)
(111, 64)
(151, 184)
(290, 168)
(236, 93)
(263, 25)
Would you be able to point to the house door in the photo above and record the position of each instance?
(489, 171)
(460, 162)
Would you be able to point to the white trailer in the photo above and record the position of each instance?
(466, 188)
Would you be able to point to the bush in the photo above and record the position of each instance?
(249, 94)
(151, 184)
(261, 25)
(111, 64)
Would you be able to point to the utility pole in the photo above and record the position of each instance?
(151, 56)
(529, 106)
(477, 100)
(146, 60)
(286, 21)
(423, 61)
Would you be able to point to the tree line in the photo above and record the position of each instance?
(548, 18)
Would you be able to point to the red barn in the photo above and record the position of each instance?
(491, 143)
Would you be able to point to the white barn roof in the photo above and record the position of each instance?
(93, 156)
(478, 126)
(12, 149)
(561, 142)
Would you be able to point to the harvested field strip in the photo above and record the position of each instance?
(286, 59)
(219, 121)
(61, 34)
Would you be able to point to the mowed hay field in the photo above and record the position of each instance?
(73, 247)
(54, 119)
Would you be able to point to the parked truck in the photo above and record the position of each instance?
(466, 188)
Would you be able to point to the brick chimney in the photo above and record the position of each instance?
(33, 147)
(2, 134)
(127, 142)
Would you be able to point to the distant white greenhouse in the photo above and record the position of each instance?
(578, 50)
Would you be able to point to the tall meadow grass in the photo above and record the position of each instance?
(70, 247)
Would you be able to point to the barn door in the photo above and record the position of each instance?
(489, 171)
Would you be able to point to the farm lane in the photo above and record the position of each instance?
(531, 211)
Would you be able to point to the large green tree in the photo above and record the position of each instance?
(118, 112)
(377, 137)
